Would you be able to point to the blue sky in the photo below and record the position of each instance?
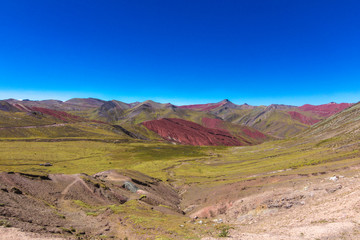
(181, 51)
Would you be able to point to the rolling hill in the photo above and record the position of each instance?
(277, 120)
(215, 133)
(343, 126)
(90, 117)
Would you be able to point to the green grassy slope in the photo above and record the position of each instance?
(37, 125)
(327, 145)
(275, 122)
(340, 128)
(332, 140)
(119, 113)
(64, 130)
(75, 104)
(21, 119)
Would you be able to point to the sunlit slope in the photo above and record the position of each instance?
(74, 104)
(65, 130)
(21, 119)
(120, 113)
(279, 121)
(343, 127)
(36, 124)
(276, 122)
(276, 119)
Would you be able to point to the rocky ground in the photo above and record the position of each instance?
(77, 206)
(321, 207)
(16, 234)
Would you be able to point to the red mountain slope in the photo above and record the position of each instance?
(186, 132)
(242, 131)
(302, 118)
(213, 123)
(64, 116)
(203, 107)
(325, 110)
(254, 134)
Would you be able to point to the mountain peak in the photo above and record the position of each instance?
(155, 105)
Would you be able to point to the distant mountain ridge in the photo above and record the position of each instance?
(261, 122)
(343, 125)
(276, 119)
(325, 110)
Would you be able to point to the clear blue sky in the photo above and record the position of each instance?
(182, 51)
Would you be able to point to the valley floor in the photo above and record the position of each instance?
(275, 190)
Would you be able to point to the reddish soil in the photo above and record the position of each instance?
(253, 133)
(186, 132)
(213, 123)
(202, 107)
(64, 116)
(302, 118)
(219, 124)
(21, 107)
(325, 110)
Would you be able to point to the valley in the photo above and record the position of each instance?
(159, 171)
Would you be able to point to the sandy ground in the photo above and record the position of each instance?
(315, 209)
(16, 234)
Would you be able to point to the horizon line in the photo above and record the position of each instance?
(177, 105)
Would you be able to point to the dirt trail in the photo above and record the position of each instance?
(77, 179)
(67, 188)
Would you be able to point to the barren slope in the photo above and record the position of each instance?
(186, 132)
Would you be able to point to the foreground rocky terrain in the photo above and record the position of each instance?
(319, 206)
(315, 207)
(53, 204)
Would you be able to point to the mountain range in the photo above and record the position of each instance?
(86, 168)
(221, 123)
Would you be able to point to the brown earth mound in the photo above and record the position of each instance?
(79, 205)
(186, 132)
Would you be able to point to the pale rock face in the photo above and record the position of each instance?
(334, 178)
